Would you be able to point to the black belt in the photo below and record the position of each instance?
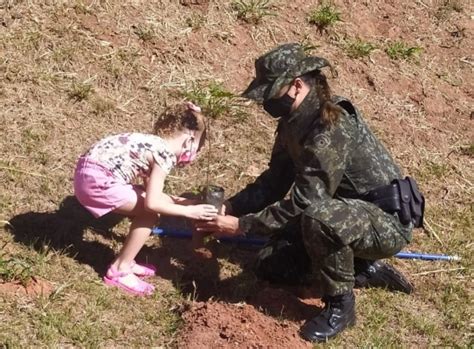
(402, 197)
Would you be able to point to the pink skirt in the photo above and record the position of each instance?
(98, 190)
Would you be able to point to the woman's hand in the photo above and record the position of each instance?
(226, 208)
(201, 212)
(221, 226)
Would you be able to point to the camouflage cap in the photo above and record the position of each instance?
(278, 68)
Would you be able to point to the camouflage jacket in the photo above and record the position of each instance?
(317, 163)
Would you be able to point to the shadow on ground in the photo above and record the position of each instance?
(64, 229)
(226, 277)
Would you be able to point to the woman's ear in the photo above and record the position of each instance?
(299, 84)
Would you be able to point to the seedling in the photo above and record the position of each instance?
(400, 50)
(359, 48)
(252, 11)
(324, 16)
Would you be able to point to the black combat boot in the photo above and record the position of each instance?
(337, 315)
(379, 274)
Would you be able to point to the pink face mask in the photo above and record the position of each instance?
(187, 155)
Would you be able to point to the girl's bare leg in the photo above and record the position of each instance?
(140, 229)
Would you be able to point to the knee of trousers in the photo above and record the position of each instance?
(321, 224)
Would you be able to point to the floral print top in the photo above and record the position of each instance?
(126, 155)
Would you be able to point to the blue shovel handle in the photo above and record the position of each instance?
(187, 234)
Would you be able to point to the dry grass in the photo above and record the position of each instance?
(72, 72)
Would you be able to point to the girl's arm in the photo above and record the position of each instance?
(159, 202)
(184, 201)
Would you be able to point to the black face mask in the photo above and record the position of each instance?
(279, 107)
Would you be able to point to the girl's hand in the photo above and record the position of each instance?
(184, 201)
(201, 212)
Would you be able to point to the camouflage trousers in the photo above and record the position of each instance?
(333, 233)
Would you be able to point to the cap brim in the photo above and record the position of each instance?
(257, 90)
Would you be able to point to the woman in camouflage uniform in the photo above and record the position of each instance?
(330, 161)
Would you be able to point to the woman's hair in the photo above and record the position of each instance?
(329, 112)
(179, 118)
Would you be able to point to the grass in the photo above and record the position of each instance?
(105, 55)
(400, 50)
(101, 105)
(15, 269)
(252, 11)
(358, 48)
(196, 21)
(80, 91)
(447, 7)
(324, 16)
(144, 32)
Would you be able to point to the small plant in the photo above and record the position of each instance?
(437, 170)
(468, 150)
(145, 33)
(215, 100)
(195, 21)
(447, 7)
(400, 50)
(82, 8)
(101, 105)
(252, 11)
(324, 16)
(14, 269)
(308, 45)
(80, 91)
(359, 48)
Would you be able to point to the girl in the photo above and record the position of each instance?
(103, 183)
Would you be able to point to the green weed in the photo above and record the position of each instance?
(324, 16)
(195, 21)
(468, 150)
(432, 170)
(145, 33)
(32, 39)
(437, 170)
(308, 45)
(80, 91)
(252, 11)
(214, 100)
(447, 7)
(14, 269)
(64, 55)
(359, 48)
(81, 8)
(400, 50)
(33, 135)
(101, 105)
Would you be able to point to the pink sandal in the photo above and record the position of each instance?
(118, 279)
(146, 269)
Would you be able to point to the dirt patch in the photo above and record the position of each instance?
(221, 325)
(35, 287)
